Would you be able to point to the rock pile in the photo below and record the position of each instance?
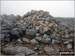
(46, 27)
(36, 27)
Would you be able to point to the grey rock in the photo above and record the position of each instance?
(1, 19)
(56, 41)
(17, 49)
(15, 31)
(11, 17)
(41, 31)
(20, 54)
(3, 16)
(69, 46)
(35, 48)
(38, 38)
(9, 50)
(34, 41)
(48, 50)
(68, 41)
(25, 50)
(33, 11)
(44, 39)
(5, 31)
(19, 41)
(31, 32)
(37, 34)
(6, 38)
(18, 17)
(26, 40)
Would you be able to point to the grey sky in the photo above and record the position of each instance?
(56, 8)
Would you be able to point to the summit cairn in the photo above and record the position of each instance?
(38, 31)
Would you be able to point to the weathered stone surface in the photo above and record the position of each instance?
(44, 39)
(17, 49)
(56, 41)
(34, 55)
(26, 50)
(48, 50)
(69, 46)
(34, 41)
(31, 32)
(9, 50)
(20, 54)
(68, 41)
(26, 40)
(38, 38)
(19, 41)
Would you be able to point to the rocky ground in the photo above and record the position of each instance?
(36, 33)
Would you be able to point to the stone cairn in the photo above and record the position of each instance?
(40, 28)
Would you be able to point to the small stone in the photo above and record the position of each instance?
(68, 41)
(46, 39)
(56, 41)
(37, 34)
(67, 35)
(34, 41)
(26, 40)
(19, 41)
(35, 48)
(48, 49)
(69, 46)
(51, 24)
(46, 28)
(38, 38)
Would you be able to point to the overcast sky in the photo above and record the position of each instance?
(56, 8)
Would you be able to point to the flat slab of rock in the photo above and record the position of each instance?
(44, 39)
(11, 50)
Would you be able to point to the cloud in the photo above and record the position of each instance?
(56, 8)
